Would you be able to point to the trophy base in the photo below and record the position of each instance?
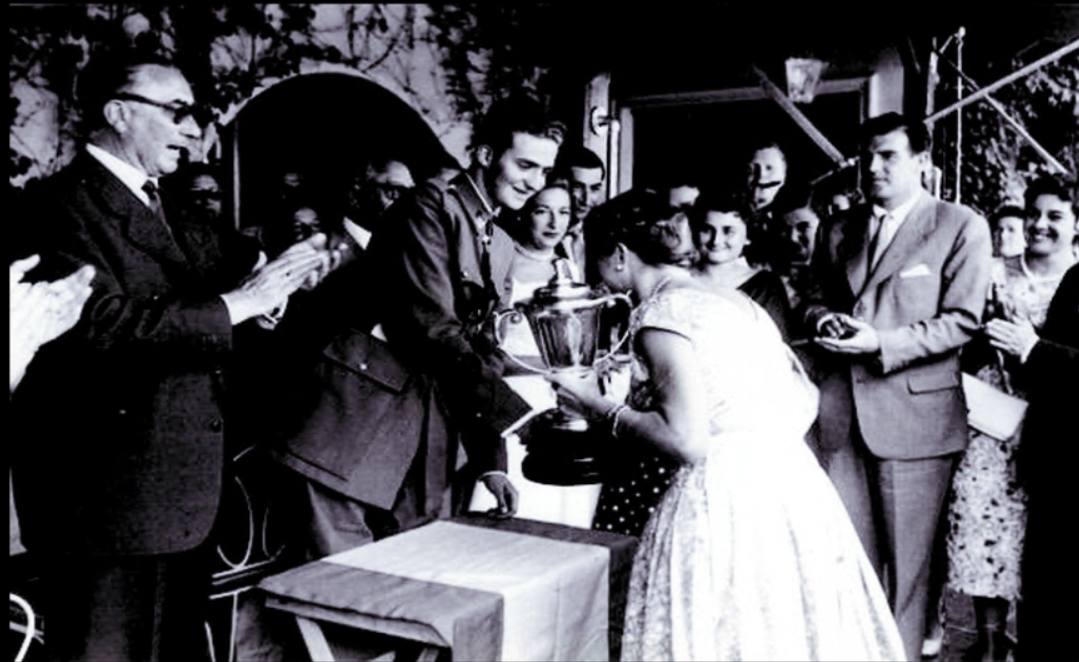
(561, 455)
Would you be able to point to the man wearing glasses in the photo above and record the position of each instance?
(118, 472)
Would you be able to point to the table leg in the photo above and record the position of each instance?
(428, 654)
(317, 646)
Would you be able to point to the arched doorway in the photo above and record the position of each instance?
(325, 125)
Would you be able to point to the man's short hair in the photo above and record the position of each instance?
(793, 197)
(376, 164)
(1055, 185)
(762, 144)
(105, 75)
(1007, 211)
(579, 156)
(517, 114)
(195, 169)
(917, 133)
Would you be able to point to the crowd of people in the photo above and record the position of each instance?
(793, 447)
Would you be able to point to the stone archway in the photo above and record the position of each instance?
(325, 125)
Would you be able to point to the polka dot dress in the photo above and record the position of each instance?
(630, 497)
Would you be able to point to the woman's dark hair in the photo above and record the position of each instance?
(644, 221)
(1055, 186)
(727, 202)
(1007, 211)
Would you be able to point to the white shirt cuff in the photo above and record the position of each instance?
(1027, 350)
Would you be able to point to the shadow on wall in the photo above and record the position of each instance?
(325, 126)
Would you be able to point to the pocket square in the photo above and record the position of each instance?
(914, 272)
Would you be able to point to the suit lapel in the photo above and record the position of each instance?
(139, 224)
(916, 229)
(852, 249)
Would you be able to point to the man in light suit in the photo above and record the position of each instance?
(373, 431)
(118, 469)
(898, 287)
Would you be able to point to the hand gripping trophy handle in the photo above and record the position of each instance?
(516, 317)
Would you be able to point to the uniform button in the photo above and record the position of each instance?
(363, 366)
(479, 414)
(216, 425)
(122, 412)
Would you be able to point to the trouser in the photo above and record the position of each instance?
(139, 608)
(895, 506)
(326, 521)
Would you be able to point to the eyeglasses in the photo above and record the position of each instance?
(180, 110)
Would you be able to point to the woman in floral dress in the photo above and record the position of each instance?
(987, 513)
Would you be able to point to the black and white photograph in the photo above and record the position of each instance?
(543, 331)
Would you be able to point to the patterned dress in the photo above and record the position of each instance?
(750, 555)
(987, 510)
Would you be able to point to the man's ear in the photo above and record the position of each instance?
(484, 155)
(116, 115)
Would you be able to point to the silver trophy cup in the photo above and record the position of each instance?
(566, 320)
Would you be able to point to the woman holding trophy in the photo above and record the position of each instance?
(750, 554)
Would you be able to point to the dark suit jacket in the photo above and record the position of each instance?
(1048, 453)
(925, 299)
(371, 407)
(119, 422)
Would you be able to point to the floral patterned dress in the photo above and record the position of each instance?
(750, 554)
(987, 509)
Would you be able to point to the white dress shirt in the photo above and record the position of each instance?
(889, 223)
(132, 177)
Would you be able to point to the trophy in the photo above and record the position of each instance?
(565, 319)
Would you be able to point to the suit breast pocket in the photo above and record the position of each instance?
(368, 357)
(916, 296)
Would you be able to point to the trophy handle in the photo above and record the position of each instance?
(515, 316)
(610, 300)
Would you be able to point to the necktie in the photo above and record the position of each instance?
(879, 242)
(155, 205)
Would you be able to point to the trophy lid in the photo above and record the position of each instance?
(562, 287)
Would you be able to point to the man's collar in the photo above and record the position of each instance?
(359, 234)
(900, 213)
(476, 204)
(132, 177)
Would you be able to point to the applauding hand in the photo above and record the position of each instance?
(1014, 337)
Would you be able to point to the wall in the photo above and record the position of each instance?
(404, 48)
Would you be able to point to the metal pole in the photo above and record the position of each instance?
(960, 33)
(799, 117)
(1012, 122)
(1010, 78)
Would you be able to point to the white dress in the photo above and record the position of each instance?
(750, 554)
(572, 505)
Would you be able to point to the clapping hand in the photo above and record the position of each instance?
(41, 312)
(269, 286)
(1015, 337)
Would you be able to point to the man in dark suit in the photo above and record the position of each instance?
(898, 287)
(117, 473)
(374, 430)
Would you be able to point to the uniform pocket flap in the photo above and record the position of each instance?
(934, 381)
(370, 357)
